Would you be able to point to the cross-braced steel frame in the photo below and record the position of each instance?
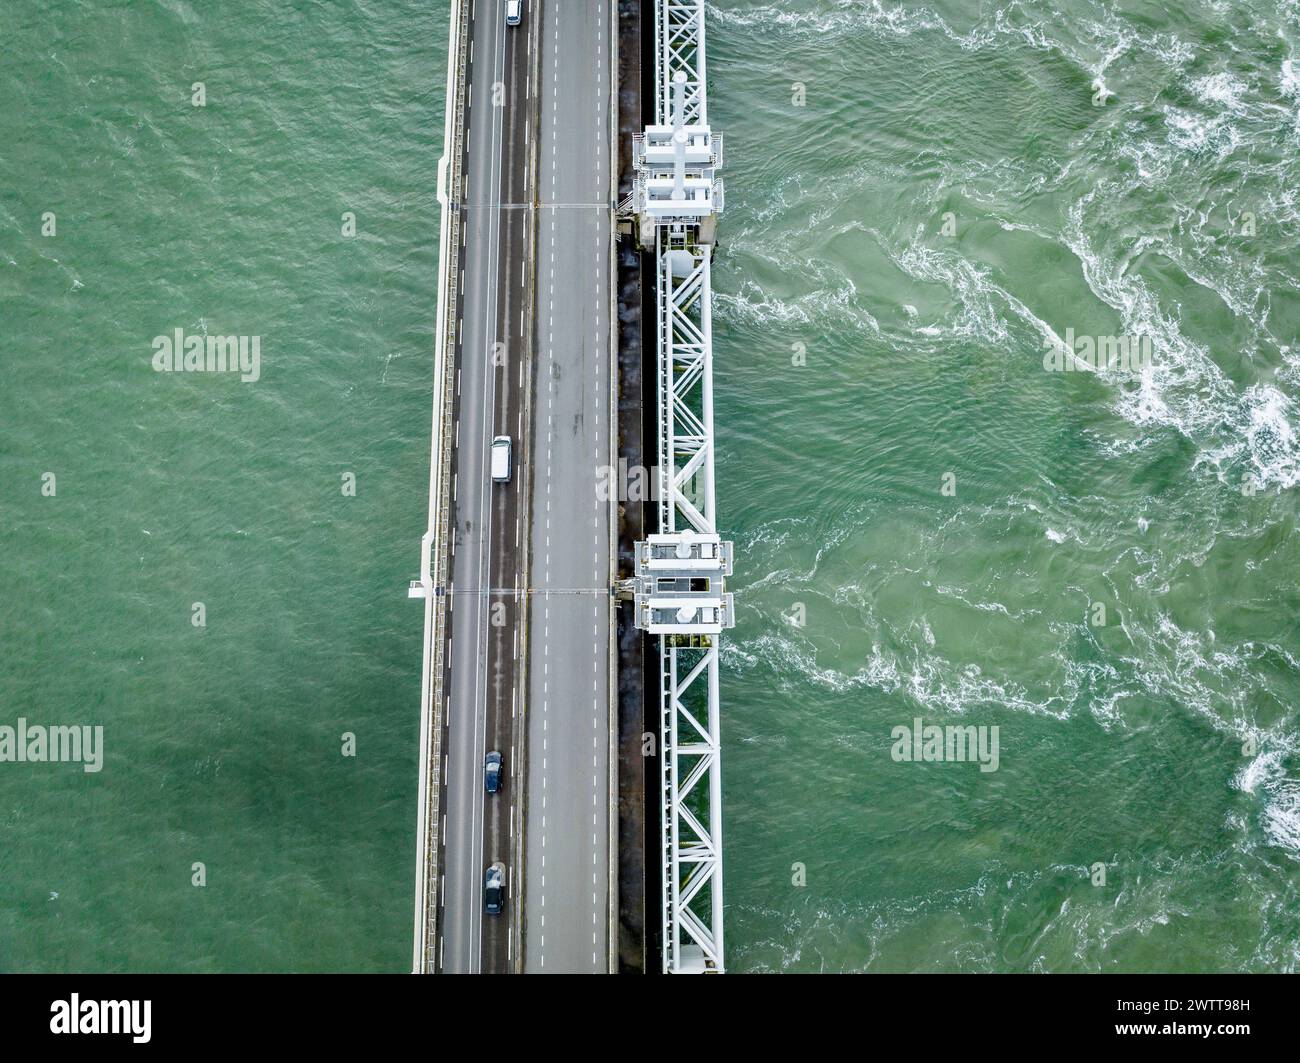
(691, 776)
(679, 45)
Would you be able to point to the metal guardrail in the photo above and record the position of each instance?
(715, 162)
(435, 557)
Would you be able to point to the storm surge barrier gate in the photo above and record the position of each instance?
(679, 583)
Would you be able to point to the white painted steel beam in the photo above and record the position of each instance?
(677, 198)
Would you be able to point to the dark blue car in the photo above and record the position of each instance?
(492, 772)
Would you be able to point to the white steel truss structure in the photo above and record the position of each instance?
(679, 46)
(691, 773)
(677, 199)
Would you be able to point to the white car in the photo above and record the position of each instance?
(501, 459)
(514, 12)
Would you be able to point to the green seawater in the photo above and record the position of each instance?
(1159, 742)
(222, 744)
(1162, 744)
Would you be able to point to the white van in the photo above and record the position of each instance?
(514, 12)
(501, 459)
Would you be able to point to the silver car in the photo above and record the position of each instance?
(494, 889)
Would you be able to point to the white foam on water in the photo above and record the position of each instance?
(1235, 427)
(758, 308)
(1195, 133)
(1289, 79)
(1271, 437)
(1262, 767)
(846, 17)
(1282, 818)
(1289, 87)
(774, 533)
(1100, 41)
(933, 684)
(1222, 88)
(986, 308)
(978, 317)
(1265, 777)
(985, 607)
(1184, 389)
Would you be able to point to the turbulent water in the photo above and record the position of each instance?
(921, 200)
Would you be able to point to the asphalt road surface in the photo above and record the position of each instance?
(533, 362)
(566, 899)
(485, 702)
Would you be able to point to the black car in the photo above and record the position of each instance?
(494, 889)
(492, 772)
